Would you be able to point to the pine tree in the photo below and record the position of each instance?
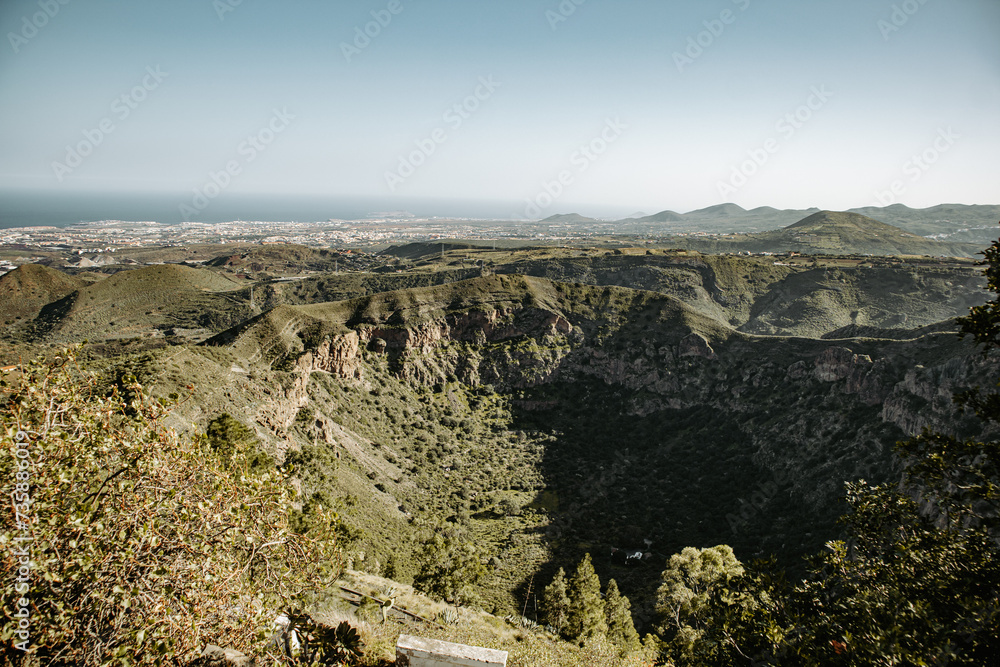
(586, 617)
(618, 612)
(691, 581)
(556, 602)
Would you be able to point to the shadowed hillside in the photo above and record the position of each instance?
(26, 289)
(607, 416)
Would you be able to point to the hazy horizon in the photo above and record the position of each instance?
(562, 106)
(59, 208)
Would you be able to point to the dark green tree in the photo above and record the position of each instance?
(618, 614)
(900, 590)
(556, 603)
(696, 583)
(450, 568)
(586, 617)
(917, 581)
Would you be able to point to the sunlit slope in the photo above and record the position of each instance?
(834, 233)
(138, 302)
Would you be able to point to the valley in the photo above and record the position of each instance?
(543, 402)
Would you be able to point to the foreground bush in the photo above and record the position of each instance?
(125, 544)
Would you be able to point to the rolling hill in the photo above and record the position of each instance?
(141, 302)
(833, 233)
(956, 223)
(568, 218)
(26, 289)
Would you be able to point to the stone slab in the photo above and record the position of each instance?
(413, 651)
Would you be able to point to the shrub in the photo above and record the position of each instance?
(144, 547)
(228, 437)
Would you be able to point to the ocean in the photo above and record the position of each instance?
(27, 208)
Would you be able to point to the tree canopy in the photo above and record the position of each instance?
(139, 546)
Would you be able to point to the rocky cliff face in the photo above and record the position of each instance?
(631, 414)
(649, 348)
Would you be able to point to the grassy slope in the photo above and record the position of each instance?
(600, 453)
(139, 302)
(420, 444)
(26, 289)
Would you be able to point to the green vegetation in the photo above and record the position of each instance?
(140, 548)
(692, 579)
(618, 614)
(228, 438)
(481, 430)
(556, 604)
(586, 612)
(576, 610)
(450, 569)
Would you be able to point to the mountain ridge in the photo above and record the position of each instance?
(965, 223)
(834, 232)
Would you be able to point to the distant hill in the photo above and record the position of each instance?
(26, 289)
(719, 209)
(946, 222)
(832, 232)
(662, 216)
(141, 302)
(722, 218)
(569, 217)
(845, 232)
(277, 257)
(423, 249)
(957, 223)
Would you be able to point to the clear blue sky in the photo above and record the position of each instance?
(670, 125)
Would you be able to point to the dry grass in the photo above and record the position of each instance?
(525, 647)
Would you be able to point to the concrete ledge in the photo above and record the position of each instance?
(415, 651)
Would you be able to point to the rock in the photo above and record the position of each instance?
(338, 356)
(866, 380)
(798, 370)
(216, 656)
(835, 363)
(695, 345)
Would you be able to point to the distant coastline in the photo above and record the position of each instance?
(57, 209)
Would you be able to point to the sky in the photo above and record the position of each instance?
(555, 106)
